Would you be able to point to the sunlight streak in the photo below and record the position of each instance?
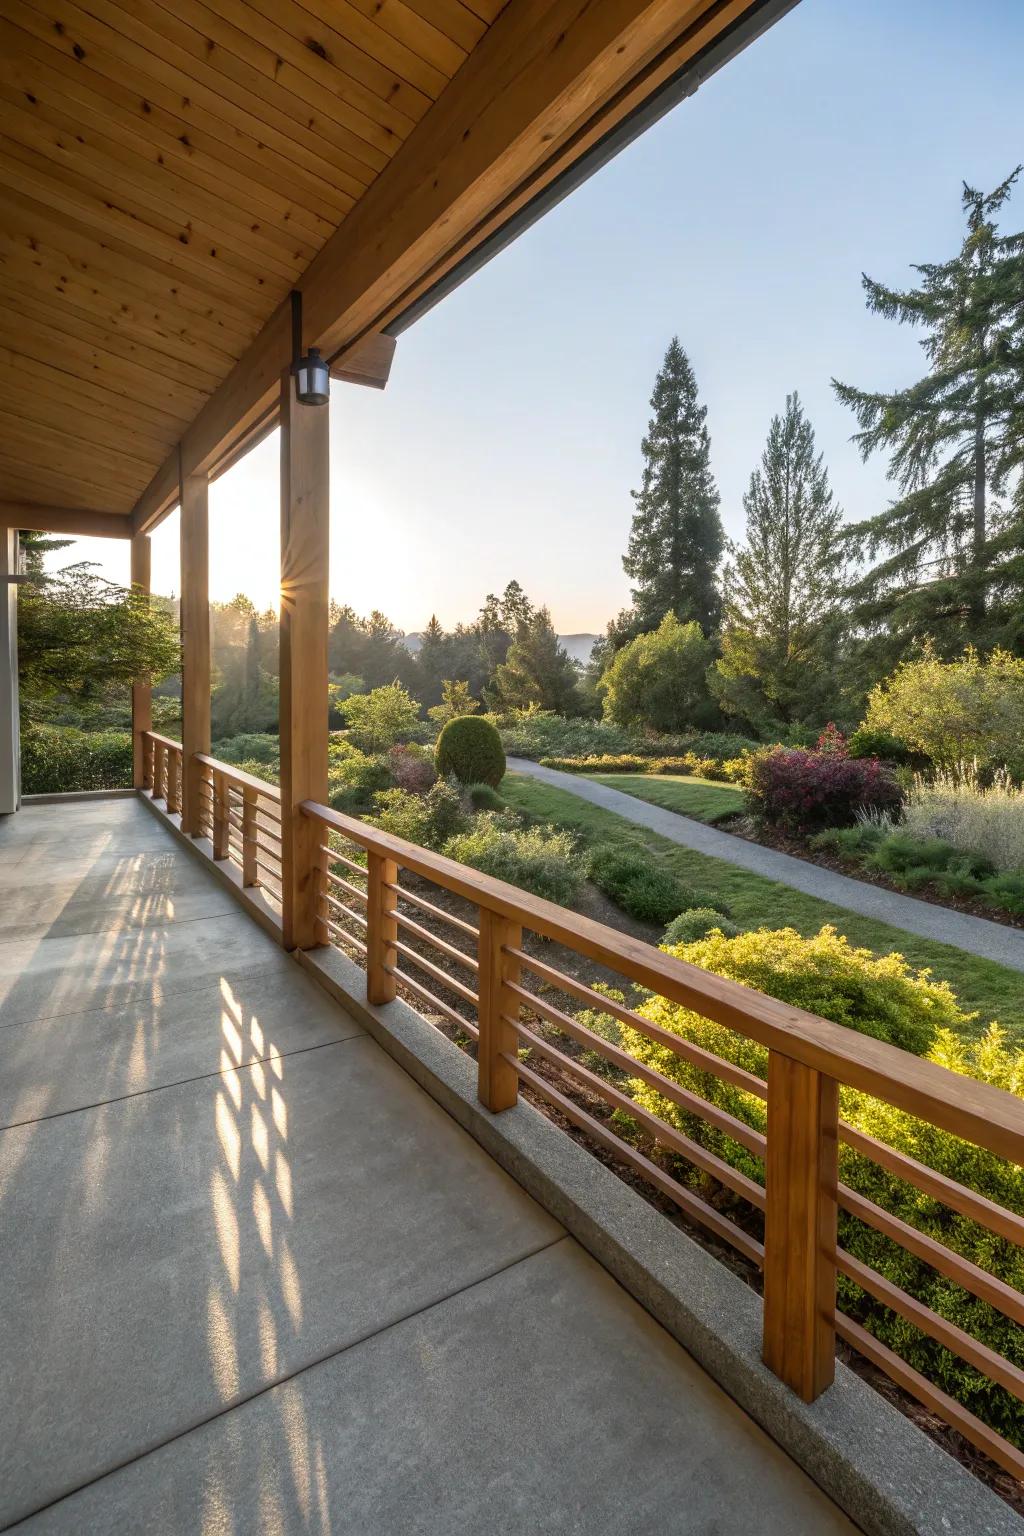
(227, 1227)
(227, 1132)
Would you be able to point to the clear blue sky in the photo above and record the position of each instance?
(508, 439)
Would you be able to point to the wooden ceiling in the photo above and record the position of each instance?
(171, 169)
(167, 173)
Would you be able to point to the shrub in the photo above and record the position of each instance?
(429, 820)
(988, 822)
(412, 767)
(988, 1059)
(912, 861)
(484, 797)
(251, 747)
(354, 777)
(377, 720)
(644, 889)
(456, 700)
(541, 859)
(607, 762)
(793, 788)
(697, 923)
(470, 748)
(866, 742)
(59, 760)
(660, 678)
(956, 711)
(541, 733)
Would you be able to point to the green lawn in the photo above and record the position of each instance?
(995, 991)
(702, 799)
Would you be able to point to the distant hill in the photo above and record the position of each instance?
(578, 646)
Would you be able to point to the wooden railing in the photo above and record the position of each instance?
(162, 768)
(483, 981)
(240, 814)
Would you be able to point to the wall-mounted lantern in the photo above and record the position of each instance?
(312, 375)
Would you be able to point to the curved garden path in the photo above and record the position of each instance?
(976, 935)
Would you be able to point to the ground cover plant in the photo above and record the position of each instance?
(911, 863)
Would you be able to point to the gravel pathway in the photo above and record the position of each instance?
(976, 935)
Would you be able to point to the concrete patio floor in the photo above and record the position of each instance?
(255, 1280)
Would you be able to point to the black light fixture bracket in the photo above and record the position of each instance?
(313, 377)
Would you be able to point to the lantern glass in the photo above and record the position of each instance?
(313, 379)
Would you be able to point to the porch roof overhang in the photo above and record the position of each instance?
(168, 176)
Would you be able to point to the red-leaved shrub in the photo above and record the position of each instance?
(804, 790)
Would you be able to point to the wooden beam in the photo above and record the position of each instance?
(547, 78)
(368, 362)
(142, 691)
(76, 521)
(305, 518)
(195, 642)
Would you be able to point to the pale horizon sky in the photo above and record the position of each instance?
(508, 439)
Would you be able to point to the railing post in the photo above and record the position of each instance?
(147, 763)
(250, 871)
(381, 928)
(801, 1178)
(159, 768)
(497, 1080)
(221, 806)
(174, 774)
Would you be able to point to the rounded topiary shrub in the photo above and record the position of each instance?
(696, 923)
(471, 749)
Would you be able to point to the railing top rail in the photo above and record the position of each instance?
(990, 1117)
(162, 741)
(238, 776)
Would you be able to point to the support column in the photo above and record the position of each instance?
(142, 691)
(305, 548)
(195, 642)
(10, 755)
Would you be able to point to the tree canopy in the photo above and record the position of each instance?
(782, 587)
(952, 543)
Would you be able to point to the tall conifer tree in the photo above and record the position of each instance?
(952, 544)
(676, 539)
(783, 587)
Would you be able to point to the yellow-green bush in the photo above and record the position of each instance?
(883, 997)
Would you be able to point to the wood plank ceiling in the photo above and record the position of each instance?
(167, 172)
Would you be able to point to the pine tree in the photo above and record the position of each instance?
(782, 588)
(952, 544)
(537, 671)
(676, 539)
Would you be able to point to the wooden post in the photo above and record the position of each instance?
(173, 775)
(381, 928)
(801, 1172)
(221, 806)
(497, 1080)
(305, 518)
(250, 871)
(159, 769)
(195, 642)
(147, 764)
(142, 691)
